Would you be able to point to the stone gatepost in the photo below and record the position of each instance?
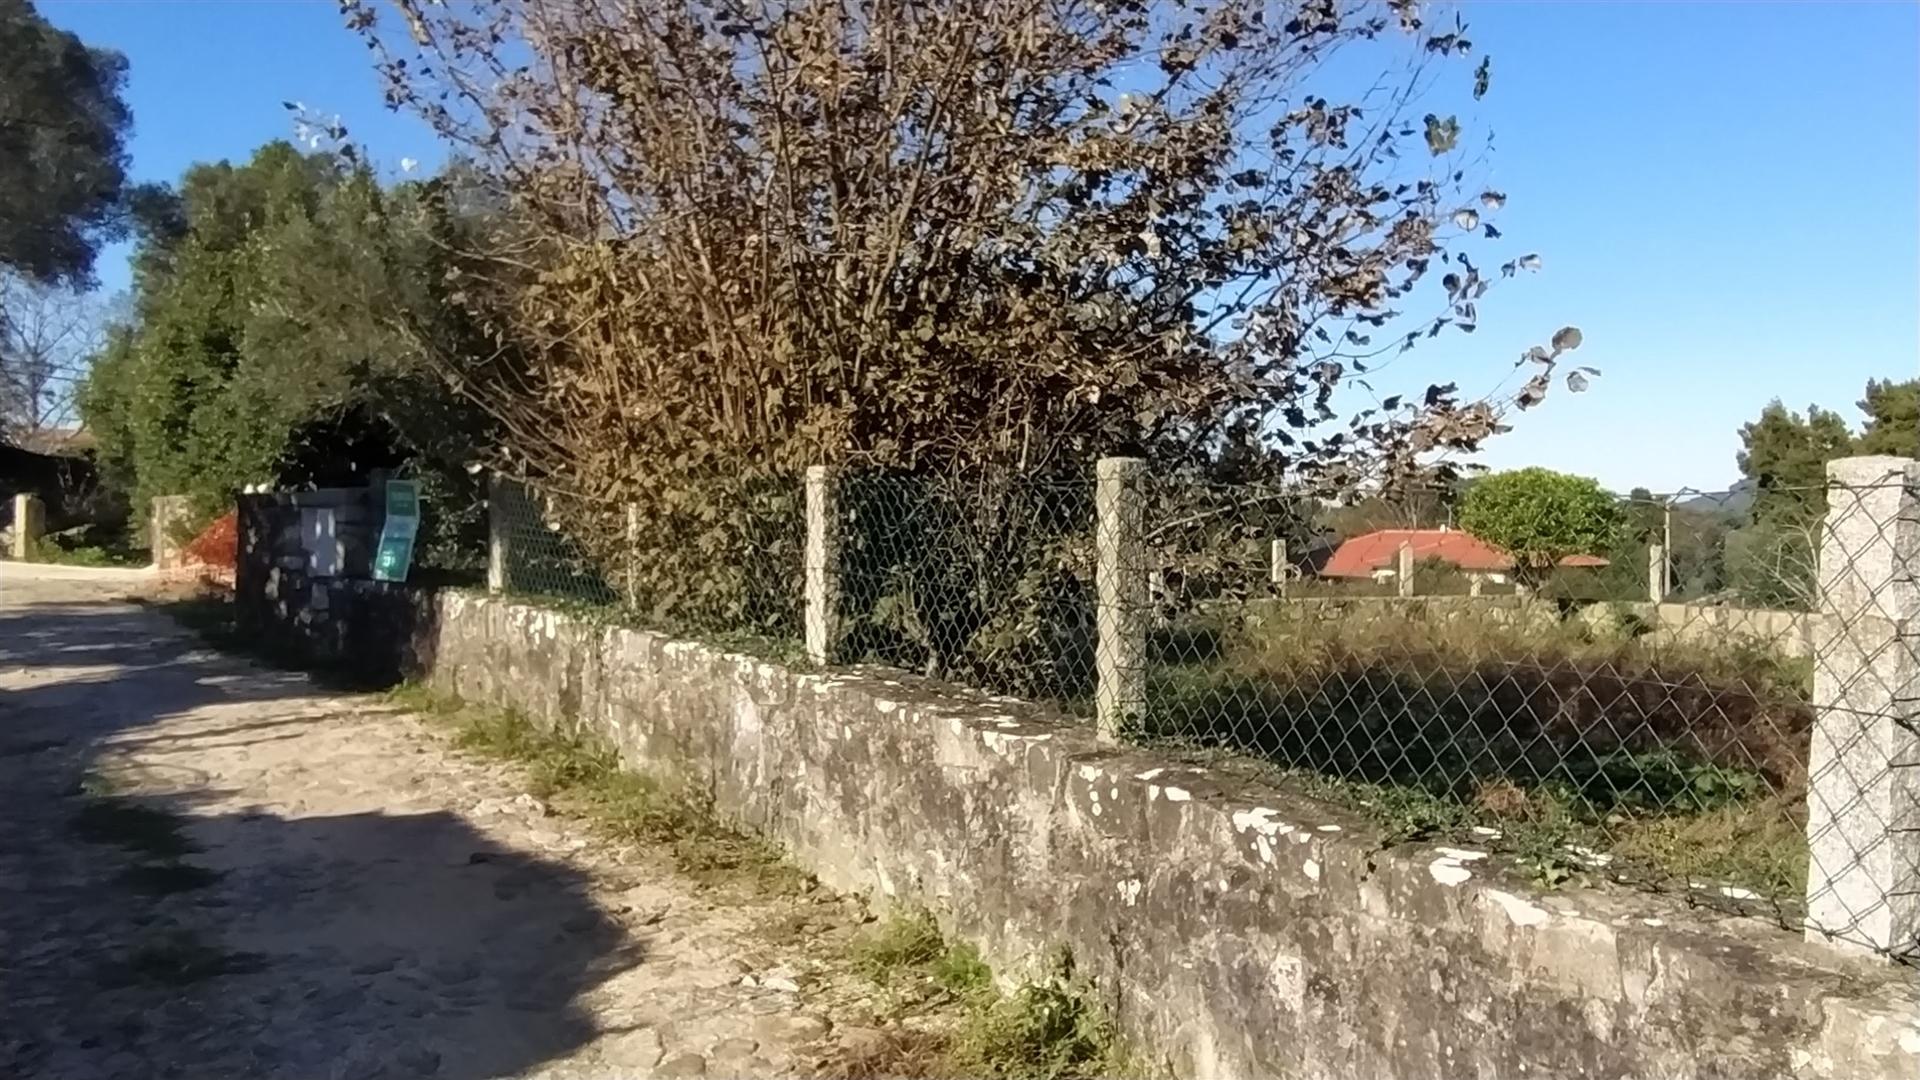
(29, 524)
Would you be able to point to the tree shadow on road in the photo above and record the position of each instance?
(151, 925)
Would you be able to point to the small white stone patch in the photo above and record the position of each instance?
(1153, 792)
(1656, 923)
(1261, 819)
(884, 705)
(1089, 772)
(1149, 774)
(1311, 869)
(1448, 869)
(1734, 892)
(1329, 828)
(1263, 849)
(1175, 794)
(1482, 830)
(846, 731)
(1910, 1042)
(1130, 892)
(1595, 858)
(1520, 912)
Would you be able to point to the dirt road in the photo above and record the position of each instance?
(210, 869)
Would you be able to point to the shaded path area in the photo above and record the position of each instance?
(209, 869)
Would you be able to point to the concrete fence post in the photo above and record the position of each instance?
(497, 533)
(1403, 570)
(29, 524)
(1656, 573)
(1277, 566)
(822, 563)
(632, 554)
(1863, 799)
(1123, 607)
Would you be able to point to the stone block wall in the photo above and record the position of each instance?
(1237, 930)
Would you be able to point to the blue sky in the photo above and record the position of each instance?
(1726, 196)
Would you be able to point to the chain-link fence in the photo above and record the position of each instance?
(1419, 674)
(1647, 709)
(722, 563)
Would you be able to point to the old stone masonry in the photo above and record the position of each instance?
(210, 869)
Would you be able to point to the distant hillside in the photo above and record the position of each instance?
(1734, 502)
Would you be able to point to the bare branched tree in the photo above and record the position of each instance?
(1005, 233)
(47, 336)
(985, 239)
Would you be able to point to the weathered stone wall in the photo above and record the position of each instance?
(1239, 931)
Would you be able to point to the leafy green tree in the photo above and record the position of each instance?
(283, 308)
(1540, 517)
(1893, 419)
(1785, 455)
(63, 159)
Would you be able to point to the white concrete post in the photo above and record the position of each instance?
(496, 534)
(1123, 606)
(1656, 573)
(632, 560)
(29, 524)
(1403, 570)
(1277, 566)
(822, 563)
(1863, 799)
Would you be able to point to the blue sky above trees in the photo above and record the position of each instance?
(1726, 197)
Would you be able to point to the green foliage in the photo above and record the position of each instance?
(1540, 517)
(1893, 419)
(1052, 1028)
(1785, 455)
(63, 160)
(285, 313)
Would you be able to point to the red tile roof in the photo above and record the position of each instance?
(1362, 555)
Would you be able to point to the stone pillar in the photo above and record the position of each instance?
(1123, 608)
(1863, 799)
(822, 563)
(1656, 573)
(29, 525)
(1403, 570)
(1277, 566)
(497, 533)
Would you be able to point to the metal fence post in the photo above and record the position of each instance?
(1122, 607)
(822, 563)
(496, 534)
(1863, 798)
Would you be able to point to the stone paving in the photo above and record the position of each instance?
(368, 902)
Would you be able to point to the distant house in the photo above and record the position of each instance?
(1377, 554)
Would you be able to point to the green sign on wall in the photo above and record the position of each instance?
(394, 556)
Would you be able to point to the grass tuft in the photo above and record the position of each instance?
(1050, 1029)
(583, 777)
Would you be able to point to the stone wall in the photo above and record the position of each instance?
(1238, 930)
